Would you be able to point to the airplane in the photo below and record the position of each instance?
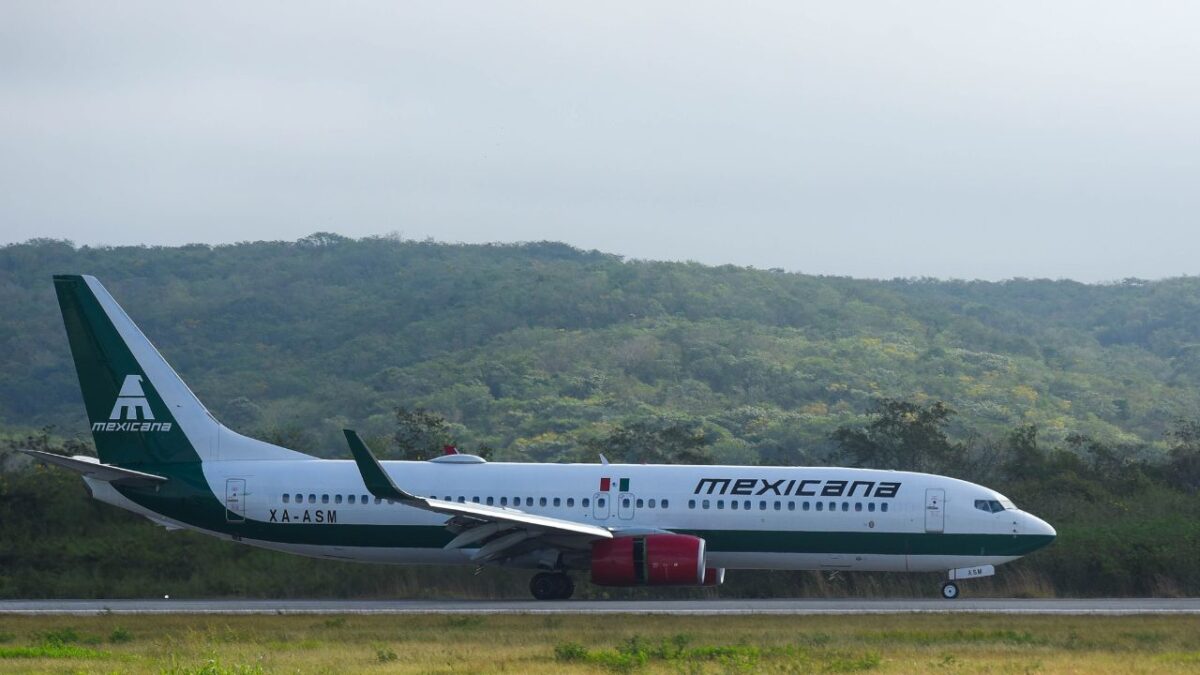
(164, 456)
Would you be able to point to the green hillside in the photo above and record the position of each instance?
(1077, 401)
(534, 349)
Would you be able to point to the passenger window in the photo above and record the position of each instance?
(475, 499)
(746, 504)
(350, 499)
(639, 503)
(820, 506)
(378, 500)
(805, 506)
(585, 501)
(503, 501)
(324, 499)
(720, 503)
(778, 506)
(365, 499)
(883, 507)
(601, 502)
(871, 507)
(663, 504)
(733, 504)
(858, 506)
(337, 499)
(651, 503)
(762, 505)
(845, 506)
(312, 499)
(691, 503)
(704, 504)
(529, 501)
(287, 498)
(299, 498)
(462, 500)
(625, 503)
(490, 501)
(791, 506)
(833, 506)
(542, 501)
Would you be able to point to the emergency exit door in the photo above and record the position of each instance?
(935, 510)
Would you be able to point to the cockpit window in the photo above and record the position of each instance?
(1007, 503)
(989, 505)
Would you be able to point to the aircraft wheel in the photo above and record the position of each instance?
(949, 590)
(544, 586)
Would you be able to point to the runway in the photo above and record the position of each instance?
(801, 607)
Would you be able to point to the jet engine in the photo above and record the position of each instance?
(649, 560)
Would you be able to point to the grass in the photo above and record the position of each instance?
(245, 645)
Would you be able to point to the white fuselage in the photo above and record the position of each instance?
(800, 518)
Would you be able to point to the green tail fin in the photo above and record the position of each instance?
(139, 410)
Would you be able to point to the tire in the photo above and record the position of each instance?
(950, 590)
(544, 586)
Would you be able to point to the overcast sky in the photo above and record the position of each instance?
(952, 139)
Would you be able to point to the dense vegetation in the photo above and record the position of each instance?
(1073, 399)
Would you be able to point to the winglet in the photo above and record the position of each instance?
(376, 479)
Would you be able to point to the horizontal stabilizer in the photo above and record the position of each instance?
(92, 468)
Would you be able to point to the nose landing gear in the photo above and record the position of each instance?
(551, 586)
(950, 589)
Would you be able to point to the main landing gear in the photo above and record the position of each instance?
(949, 590)
(551, 586)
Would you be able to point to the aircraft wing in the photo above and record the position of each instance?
(92, 468)
(476, 524)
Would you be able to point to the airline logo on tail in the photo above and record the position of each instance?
(131, 402)
(131, 405)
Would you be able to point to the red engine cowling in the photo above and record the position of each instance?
(650, 560)
(714, 576)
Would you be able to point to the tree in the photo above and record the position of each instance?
(421, 434)
(1183, 468)
(1025, 459)
(651, 443)
(902, 435)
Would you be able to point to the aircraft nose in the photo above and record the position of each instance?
(1035, 525)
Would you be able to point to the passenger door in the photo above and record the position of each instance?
(625, 506)
(600, 506)
(935, 510)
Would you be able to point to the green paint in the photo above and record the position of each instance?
(378, 483)
(102, 362)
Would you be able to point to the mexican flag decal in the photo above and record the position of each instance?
(606, 484)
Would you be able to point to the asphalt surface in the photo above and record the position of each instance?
(1119, 606)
